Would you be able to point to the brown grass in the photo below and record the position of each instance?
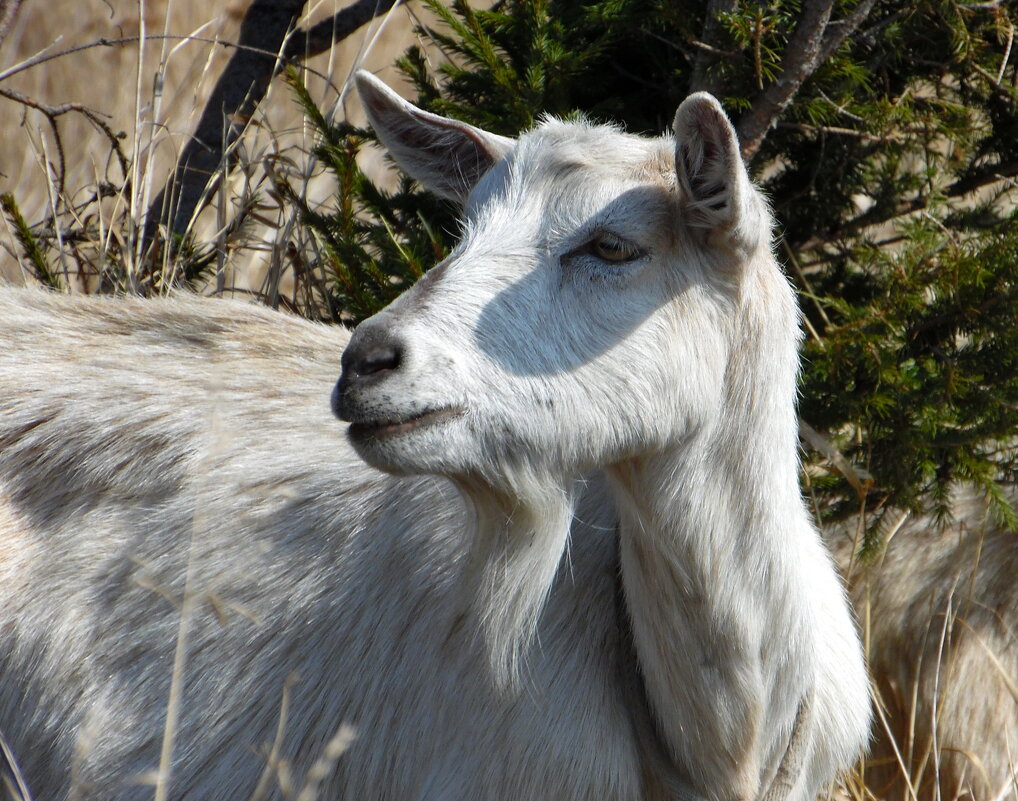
(938, 612)
(150, 92)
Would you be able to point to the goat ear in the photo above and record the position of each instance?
(446, 156)
(718, 194)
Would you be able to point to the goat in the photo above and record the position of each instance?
(943, 650)
(202, 580)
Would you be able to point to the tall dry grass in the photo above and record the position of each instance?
(149, 89)
(938, 611)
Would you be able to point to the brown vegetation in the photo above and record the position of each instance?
(937, 609)
(128, 107)
(938, 613)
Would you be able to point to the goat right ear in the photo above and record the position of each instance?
(717, 192)
(446, 156)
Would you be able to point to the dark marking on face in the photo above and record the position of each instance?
(427, 283)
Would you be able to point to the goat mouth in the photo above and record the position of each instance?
(377, 429)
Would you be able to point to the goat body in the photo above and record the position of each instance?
(198, 563)
(161, 450)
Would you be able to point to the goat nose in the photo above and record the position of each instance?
(383, 356)
(371, 351)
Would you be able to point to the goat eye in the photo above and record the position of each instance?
(612, 249)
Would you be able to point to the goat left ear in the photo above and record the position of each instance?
(717, 192)
(446, 156)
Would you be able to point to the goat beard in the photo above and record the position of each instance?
(522, 528)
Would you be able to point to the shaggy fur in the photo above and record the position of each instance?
(605, 368)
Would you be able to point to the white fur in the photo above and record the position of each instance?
(637, 417)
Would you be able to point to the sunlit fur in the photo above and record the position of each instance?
(595, 579)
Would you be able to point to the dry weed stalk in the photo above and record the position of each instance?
(937, 611)
(93, 238)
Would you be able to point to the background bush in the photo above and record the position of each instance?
(890, 161)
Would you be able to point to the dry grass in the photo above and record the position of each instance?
(149, 91)
(939, 617)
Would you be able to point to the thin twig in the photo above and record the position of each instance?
(52, 112)
(695, 44)
(837, 131)
(794, 261)
(14, 772)
(44, 57)
(801, 57)
(272, 759)
(1007, 53)
(841, 108)
(8, 11)
(860, 480)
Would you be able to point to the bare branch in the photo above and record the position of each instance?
(838, 31)
(816, 39)
(8, 11)
(265, 44)
(703, 80)
(687, 47)
(53, 112)
(319, 38)
(991, 175)
(1005, 171)
(1007, 54)
(834, 130)
(802, 55)
(45, 55)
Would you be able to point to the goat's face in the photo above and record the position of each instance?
(586, 316)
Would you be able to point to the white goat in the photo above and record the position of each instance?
(608, 358)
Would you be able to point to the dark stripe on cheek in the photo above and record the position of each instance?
(427, 282)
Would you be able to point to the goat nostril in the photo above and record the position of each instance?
(372, 350)
(383, 356)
